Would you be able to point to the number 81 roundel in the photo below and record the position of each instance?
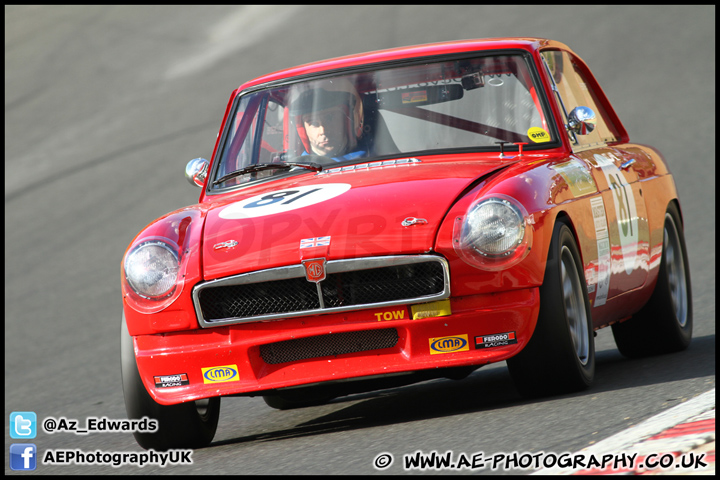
(625, 209)
(280, 201)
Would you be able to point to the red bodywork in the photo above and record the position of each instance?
(365, 221)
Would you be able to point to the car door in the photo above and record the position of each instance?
(620, 215)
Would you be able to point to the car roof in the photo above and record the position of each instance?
(400, 53)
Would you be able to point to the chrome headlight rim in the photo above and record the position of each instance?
(134, 284)
(498, 259)
(513, 243)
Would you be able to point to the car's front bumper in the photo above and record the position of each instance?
(256, 357)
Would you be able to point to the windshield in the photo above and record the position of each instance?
(472, 103)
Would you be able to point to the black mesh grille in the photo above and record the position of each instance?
(254, 299)
(385, 284)
(359, 287)
(327, 345)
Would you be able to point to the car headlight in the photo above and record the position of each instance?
(494, 234)
(151, 269)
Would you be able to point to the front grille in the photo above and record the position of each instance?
(383, 284)
(256, 299)
(349, 284)
(328, 345)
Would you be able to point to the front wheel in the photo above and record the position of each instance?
(186, 425)
(664, 324)
(560, 356)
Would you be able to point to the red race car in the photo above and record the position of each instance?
(395, 216)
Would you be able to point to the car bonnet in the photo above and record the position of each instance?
(365, 211)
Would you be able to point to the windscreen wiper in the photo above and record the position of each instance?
(315, 167)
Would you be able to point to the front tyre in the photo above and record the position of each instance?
(560, 356)
(186, 425)
(664, 325)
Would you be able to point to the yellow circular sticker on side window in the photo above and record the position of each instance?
(538, 135)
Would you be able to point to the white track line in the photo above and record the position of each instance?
(652, 426)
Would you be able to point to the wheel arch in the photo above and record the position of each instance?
(561, 216)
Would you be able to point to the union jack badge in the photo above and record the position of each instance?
(315, 242)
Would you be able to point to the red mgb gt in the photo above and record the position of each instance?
(385, 218)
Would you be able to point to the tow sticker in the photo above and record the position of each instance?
(280, 201)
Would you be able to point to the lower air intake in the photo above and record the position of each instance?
(328, 345)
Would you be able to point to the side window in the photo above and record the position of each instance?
(576, 91)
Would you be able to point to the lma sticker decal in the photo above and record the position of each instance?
(225, 373)
(281, 201)
(456, 343)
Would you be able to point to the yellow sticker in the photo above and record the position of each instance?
(225, 373)
(414, 97)
(455, 343)
(538, 135)
(391, 315)
(433, 309)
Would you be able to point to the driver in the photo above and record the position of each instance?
(329, 120)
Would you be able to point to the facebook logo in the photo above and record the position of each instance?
(23, 425)
(23, 456)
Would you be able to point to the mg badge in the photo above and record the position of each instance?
(314, 270)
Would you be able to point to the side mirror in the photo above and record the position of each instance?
(196, 171)
(581, 120)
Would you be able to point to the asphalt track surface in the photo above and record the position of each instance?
(104, 106)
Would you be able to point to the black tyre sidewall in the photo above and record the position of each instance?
(655, 329)
(549, 363)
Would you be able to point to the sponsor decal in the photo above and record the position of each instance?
(315, 242)
(603, 247)
(413, 97)
(177, 380)
(538, 135)
(625, 209)
(495, 340)
(400, 314)
(455, 343)
(578, 178)
(281, 201)
(441, 308)
(224, 373)
(314, 270)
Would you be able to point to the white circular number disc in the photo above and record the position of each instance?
(281, 201)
